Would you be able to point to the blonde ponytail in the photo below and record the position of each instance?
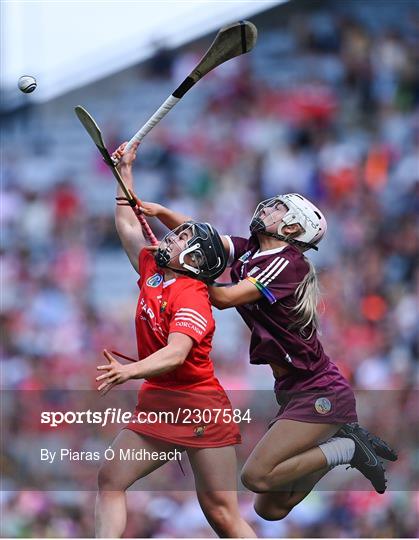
(307, 296)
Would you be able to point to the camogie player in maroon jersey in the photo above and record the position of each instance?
(275, 292)
(174, 327)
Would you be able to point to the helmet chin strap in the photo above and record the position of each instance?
(260, 225)
(296, 243)
(178, 271)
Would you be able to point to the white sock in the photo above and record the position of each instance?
(338, 450)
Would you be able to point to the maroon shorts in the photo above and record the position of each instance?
(321, 397)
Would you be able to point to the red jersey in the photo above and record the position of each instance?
(178, 305)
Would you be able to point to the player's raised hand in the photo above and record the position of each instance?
(116, 373)
(125, 158)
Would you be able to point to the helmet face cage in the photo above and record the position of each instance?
(258, 224)
(300, 211)
(201, 256)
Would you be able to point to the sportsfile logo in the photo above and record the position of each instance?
(190, 318)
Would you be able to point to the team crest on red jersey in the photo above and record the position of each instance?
(155, 280)
(199, 431)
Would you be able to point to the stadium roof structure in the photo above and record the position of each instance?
(66, 45)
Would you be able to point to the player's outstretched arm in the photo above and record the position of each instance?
(173, 219)
(127, 225)
(168, 217)
(236, 295)
(166, 359)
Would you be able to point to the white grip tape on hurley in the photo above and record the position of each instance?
(153, 120)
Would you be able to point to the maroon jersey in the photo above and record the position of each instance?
(276, 273)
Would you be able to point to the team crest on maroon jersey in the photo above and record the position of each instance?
(323, 405)
(155, 280)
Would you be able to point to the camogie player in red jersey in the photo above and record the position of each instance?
(174, 327)
(275, 292)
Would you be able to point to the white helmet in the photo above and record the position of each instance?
(300, 211)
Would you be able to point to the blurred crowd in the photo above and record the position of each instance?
(326, 106)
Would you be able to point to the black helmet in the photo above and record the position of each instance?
(205, 247)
